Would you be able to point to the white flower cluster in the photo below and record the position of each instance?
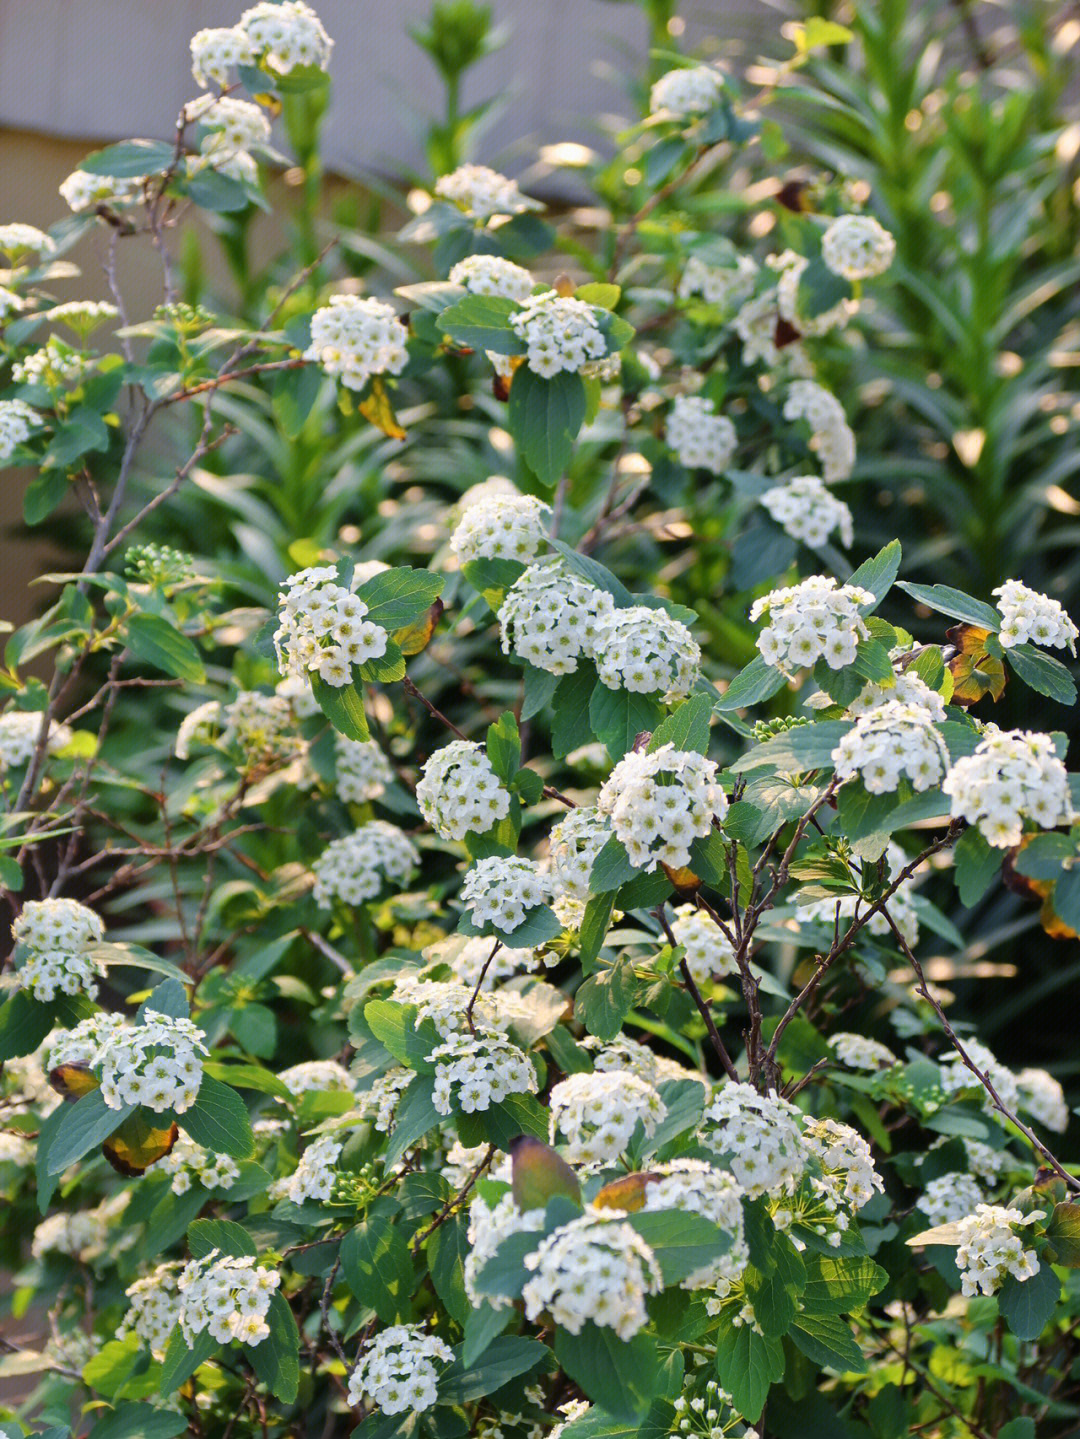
(893, 740)
(901, 907)
(358, 866)
(1013, 775)
(857, 247)
(1043, 1098)
(57, 933)
(660, 803)
(1031, 618)
(83, 316)
(850, 1178)
(575, 843)
(484, 1066)
(361, 770)
(285, 35)
(755, 325)
(316, 1076)
(459, 791)
(154, 1308)
(687, 91)
(700, 437)
(399, 1370)
(445, 1002)
(217, 51)
(807, 510)
(708, 949)
(379, 1102)
(313, 1177)
(481, 192)
(815, 619)
(501, 891)
(598, 1113)
(53, 365)
(646, 651)
(260, 727)
(16, 237)
(909, 689)
(623, 1055)
(859, 1052)
(551, 617)
(500, 526)
(492, 275)
(17, 1149)
(560, 333)
(790, 268)
(82, 191)
(723, 285)
(18, 421)
(82, 1234)
(592, 1271)
(831, 438)
(155, 1063)
(353, 339)
(990, 1248)
(949, 1197)
(760, 1136)
(694, 1187)
(956, 1076)
(10, 302)
(231, 128)
(488, 1227)
(467, 956)
(188, 1161)
(321, 628)
(227, 1296)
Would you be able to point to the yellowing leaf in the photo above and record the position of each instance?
(73, 1080)
(975, 672)
(378, 411)
(137, 1144)
(416, 637)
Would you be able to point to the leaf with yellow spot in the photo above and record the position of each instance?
(416, 637)
(975, 671)
(137, 1144)
(378, 411)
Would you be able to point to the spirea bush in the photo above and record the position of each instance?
(452, 992)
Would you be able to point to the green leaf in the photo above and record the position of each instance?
(343, 706)
(544, 417)
(397, 598)
(248, 1076)
(570, 711)
(218, 1120)
(378, 1268)
(1022, 1428)
(837, 1286)
(1066, 898)
(1042, 673)
(481, 1327)
(798, 750)
(232, 1239)
(139, 1421)
(1045, 856)
(446, 1250)
(594, 928)
(482, 322)
(820, 289)
(682, 1242)
(954, 603)
(872, 663)
(24, 1023)
(83, 1126)
(385, 668)
(294, 396)
(156, 642)
(828, 1341)
(181, 1359)
(395, 1026)
(747, 1365)
(538, 926)
(977, 864)
(879, 573)
(620, 1375)
(757, 681)
(504, 746)
(619, 716)
(11, 875)
(276, 1361)
(493, 578)
(1028, 1305)
(611, 868)
(604, 1001)
(539, 687)
(106, 1370)
(598, 292)
(597, 575)
(687, 727)
(504, 1122)
(129, 159)
(416, 1116)
(504, 1359)
(775, 1295)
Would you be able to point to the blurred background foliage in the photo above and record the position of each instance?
(958, 126)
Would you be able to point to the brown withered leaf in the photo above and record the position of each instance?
(378, 411)
(415, 637)
(1036, 889)
(795, 195)
(785, 334)
(137, 1144)
(73, 1080)
(627, 1193)
(684, 879)
(975, 673)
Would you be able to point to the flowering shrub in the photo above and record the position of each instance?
(441, 992)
